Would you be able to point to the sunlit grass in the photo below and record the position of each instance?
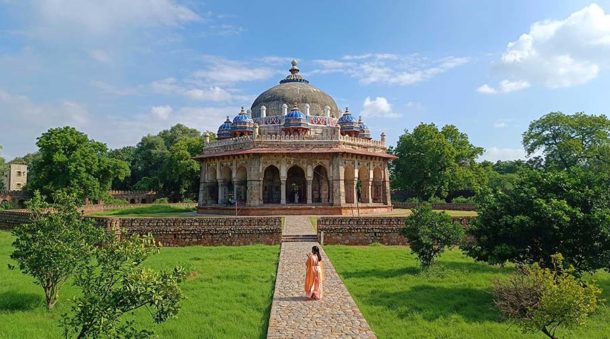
(150, 211)
(228, 294)
(452, 300)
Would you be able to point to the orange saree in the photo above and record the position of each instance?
(313, 277)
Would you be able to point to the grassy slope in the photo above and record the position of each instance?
(229, 293)
(453, 300)
(149, 211)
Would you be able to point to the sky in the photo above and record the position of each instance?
(118, 70)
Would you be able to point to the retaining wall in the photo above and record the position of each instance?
(230, 231)
(367, 230)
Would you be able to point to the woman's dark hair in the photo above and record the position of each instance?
(315, 250)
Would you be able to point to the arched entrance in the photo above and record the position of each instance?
(212, 186)
(348, 178)
(296, 189)
(227, 185)
(377, 185)
(241, 184)
(364, 186)
(320, 185)
(272, 186)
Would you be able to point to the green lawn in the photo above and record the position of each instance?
(228, 294)
(452, 300)
(149, 211)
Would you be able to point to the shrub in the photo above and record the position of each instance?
(188, 201)
(162, 201)
(115, 284)
(116, 201)
(544, 299)
(463, 200)
(55, 243)
(429, 233)
(5, 205)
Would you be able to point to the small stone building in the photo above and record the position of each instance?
(15, 177)
(294, 152)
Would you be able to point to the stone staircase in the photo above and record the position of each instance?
(299, 238)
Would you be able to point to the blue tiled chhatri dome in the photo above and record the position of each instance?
(295, 120)
(349, 124)
(224, 131)
(365, 133)
(242, 124)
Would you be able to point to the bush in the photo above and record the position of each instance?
(429, 233)
(115, 201)
(463, 200)
(187, 201)
(543, 299)
(5, 205)
(162, 201)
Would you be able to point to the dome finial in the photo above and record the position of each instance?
(294, 69)
(294, 75)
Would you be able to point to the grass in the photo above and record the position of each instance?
(451, 300)
(228, 294)
(149, 211)
(404, 212)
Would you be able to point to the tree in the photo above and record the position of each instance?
(69, 160)
(115, 284)
(2, 171)
(54, 243)
(429, 233)
(432, 162)
(544, 299)
(545, 212)
(125, 154)
(180, 170)
(567, 140)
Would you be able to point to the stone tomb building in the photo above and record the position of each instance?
(294, 152)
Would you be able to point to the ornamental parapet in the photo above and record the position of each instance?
(327, 140)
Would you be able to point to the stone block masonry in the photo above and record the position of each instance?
(209, 231)
(367, 230)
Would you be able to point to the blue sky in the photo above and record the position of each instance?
(118, 70)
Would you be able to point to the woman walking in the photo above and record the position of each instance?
(314, 274)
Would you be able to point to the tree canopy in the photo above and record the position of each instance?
(431, 162)
(69, 160)
(2, 171)
(163, 162)
(568, 140)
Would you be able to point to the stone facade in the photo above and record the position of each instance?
(289, 162)
(366, 230)
(15, 177)
(227, 231)
(135, 197)
(16, 199)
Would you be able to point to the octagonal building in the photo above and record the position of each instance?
(294, 152)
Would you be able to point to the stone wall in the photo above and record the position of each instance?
(366, 230)
(441, 206)
(229, 231)
(12, 218)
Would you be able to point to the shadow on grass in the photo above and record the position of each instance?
(435, 302)
(12, 301)
(445, 266)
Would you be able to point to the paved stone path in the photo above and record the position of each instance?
(292, 315)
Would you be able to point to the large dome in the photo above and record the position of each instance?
(294, 90)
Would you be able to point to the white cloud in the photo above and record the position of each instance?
(378, 107)
(389, 69)
(504, 86)
(500, 124)
(225, 71)
(558, 53)
(161, 112)
(100, 56)
(495, 153)
(110, 15)
(110, 89)
(171, 86)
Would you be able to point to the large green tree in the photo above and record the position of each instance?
(431, 162)
(54, 243)
(568, 140)
(164, 162)
(69, 160)
(544, 213)
(2, 170)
